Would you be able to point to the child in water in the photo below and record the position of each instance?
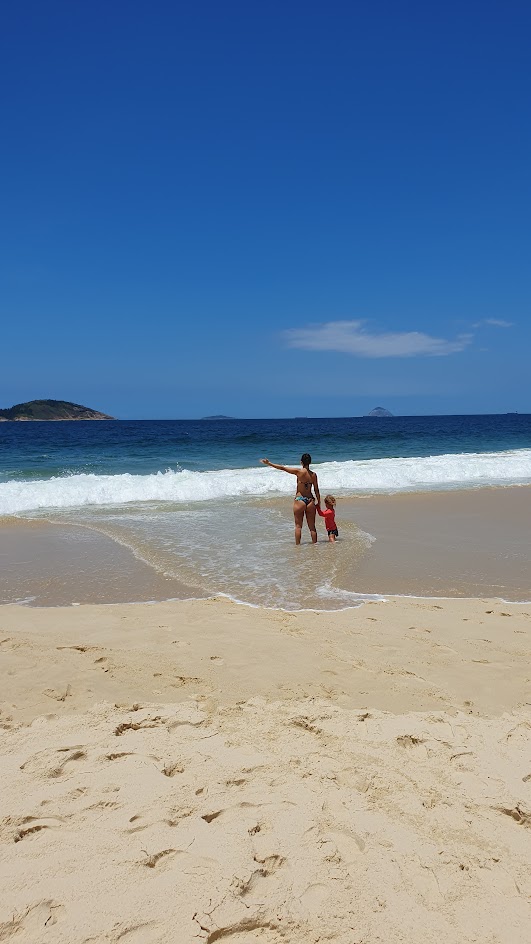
(329, 517)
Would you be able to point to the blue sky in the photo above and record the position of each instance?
(266, 209)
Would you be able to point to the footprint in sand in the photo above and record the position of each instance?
(348, 844)
(101, 662)
(176, 815)
(28, 928)
(138, 725)
(148, 933)
(520, 816)
(50, 764)
(80, 648)
(31, 825)
(260, 880)
(314, 897)
(139, 824)
(245, 932)
(210, 817)
(151, 861)
(172, 768)
(409, 740)
(58, 695)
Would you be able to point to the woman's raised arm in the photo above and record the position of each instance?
(281, 468)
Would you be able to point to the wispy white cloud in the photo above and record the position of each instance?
(496, 322)
(351, 337)
(499, 322)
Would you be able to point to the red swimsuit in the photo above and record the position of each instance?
(330, 519)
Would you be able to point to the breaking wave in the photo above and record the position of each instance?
(369, 476)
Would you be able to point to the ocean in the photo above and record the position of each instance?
(191, 501)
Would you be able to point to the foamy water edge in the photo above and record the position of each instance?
(369, 476)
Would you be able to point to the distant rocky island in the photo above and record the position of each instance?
(379, 411)
(50, 410)
(218, 416)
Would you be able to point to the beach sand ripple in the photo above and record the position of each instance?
(267, 822)
(203, 772)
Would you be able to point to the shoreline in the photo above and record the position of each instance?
(222, 597)
(449, 544)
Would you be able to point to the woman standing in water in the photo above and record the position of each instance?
(304, 502)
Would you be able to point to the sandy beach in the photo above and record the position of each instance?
(203, 771)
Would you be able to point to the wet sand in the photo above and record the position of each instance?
(458, 543)
(465, 543)
(47, 564)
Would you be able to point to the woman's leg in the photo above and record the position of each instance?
(310, 520)
(298, 514)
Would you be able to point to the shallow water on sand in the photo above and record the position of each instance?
(473, 543)
(243, 549)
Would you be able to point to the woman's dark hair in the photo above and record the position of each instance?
(306, 459)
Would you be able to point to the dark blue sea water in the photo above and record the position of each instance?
(45, 449)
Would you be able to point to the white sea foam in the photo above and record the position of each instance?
(327, 592)
(354, 477)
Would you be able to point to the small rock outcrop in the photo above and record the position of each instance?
(379, 411)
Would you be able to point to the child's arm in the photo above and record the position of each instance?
(319, 512)
(317, 492)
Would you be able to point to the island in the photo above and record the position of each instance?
(36, 410)
(218, 416)
(379, 411)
